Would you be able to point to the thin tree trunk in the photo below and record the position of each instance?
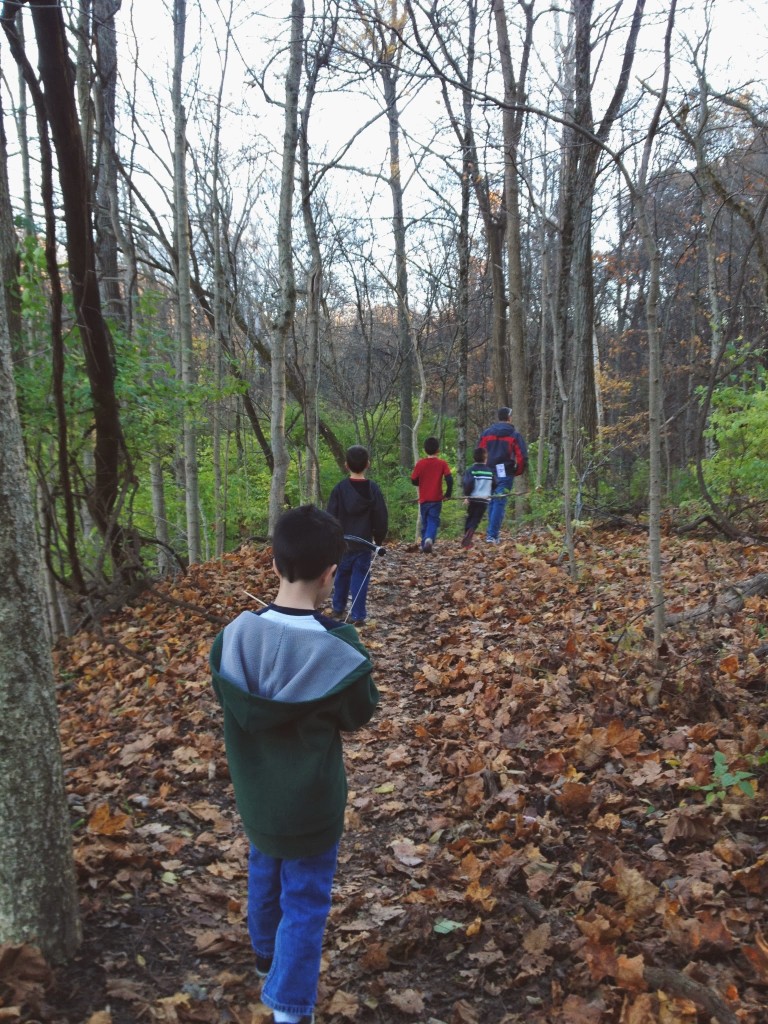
(287, 300)
(104, 94)
(320, 58)
(401, 263)
(645, 226)
(159, 515)
(517, 358)
(181, 225)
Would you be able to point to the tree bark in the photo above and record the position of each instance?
(104, 93)
(287, 300)
(388, 72)
(319, 59)
(184, 298)
(581, 159)
(38, 897)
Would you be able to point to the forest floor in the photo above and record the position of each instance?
(538, 829)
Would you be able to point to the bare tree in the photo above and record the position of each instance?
(184, 297)
(583, 142)
(287, 301)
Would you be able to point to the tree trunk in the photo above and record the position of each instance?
(59, 98)
(580, 157)
(104, 93)
(389, 79)
(160, 515)
(645, 227)
(319, 59)
(38, 898)
(287, 300)
(517, 358)
(181, 226)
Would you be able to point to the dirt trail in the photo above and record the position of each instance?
(524, 843)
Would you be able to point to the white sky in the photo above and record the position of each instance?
(737, 55)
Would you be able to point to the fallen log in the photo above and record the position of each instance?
(730, 601)
(678, 984)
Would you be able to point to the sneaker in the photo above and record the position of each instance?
(263, 965)
(301, 1020)
(357, 623)
(428, 546)
(338, 612)
(466, 540)
(491, 540)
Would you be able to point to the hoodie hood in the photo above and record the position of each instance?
(271, 672)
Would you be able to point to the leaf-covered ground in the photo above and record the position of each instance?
(525, 838)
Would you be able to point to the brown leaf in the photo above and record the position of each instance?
(629, 972)
(408, 1001)
(638, 893)
(755, 877)
(758, 956)
(24, 973)
(600, 959)
(577, 1010)
(574, 798)
(344, 1004)
(103, 822)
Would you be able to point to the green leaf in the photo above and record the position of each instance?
(445, 927)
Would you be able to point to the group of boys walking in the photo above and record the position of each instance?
(500, 456)
(290, 680)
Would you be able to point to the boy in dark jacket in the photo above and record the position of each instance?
(289, 680)
(359, 506)
(477, 484)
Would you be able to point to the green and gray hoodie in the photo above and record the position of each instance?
(288, 682)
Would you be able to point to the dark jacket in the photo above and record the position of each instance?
(505, 446)
(360, 515)
(288, 683)
(477, 482)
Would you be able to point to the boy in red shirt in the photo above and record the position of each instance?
(428, 476)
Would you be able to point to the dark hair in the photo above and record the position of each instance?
(431, 446)
(306, 541)
(480, 454)
(357, 458)
(504, 412)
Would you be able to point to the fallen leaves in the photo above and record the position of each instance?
(523, 840)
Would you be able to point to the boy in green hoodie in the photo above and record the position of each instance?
(290, 681)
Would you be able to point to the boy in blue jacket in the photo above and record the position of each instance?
(508, 458)
(290, 681)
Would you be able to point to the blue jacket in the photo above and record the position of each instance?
(505, 447)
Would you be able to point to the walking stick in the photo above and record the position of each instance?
(378, 551)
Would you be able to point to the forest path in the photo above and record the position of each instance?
(523, 843)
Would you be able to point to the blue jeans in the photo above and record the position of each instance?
(498, 506)
(430, 520)
(288, 906)
(353, 574)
